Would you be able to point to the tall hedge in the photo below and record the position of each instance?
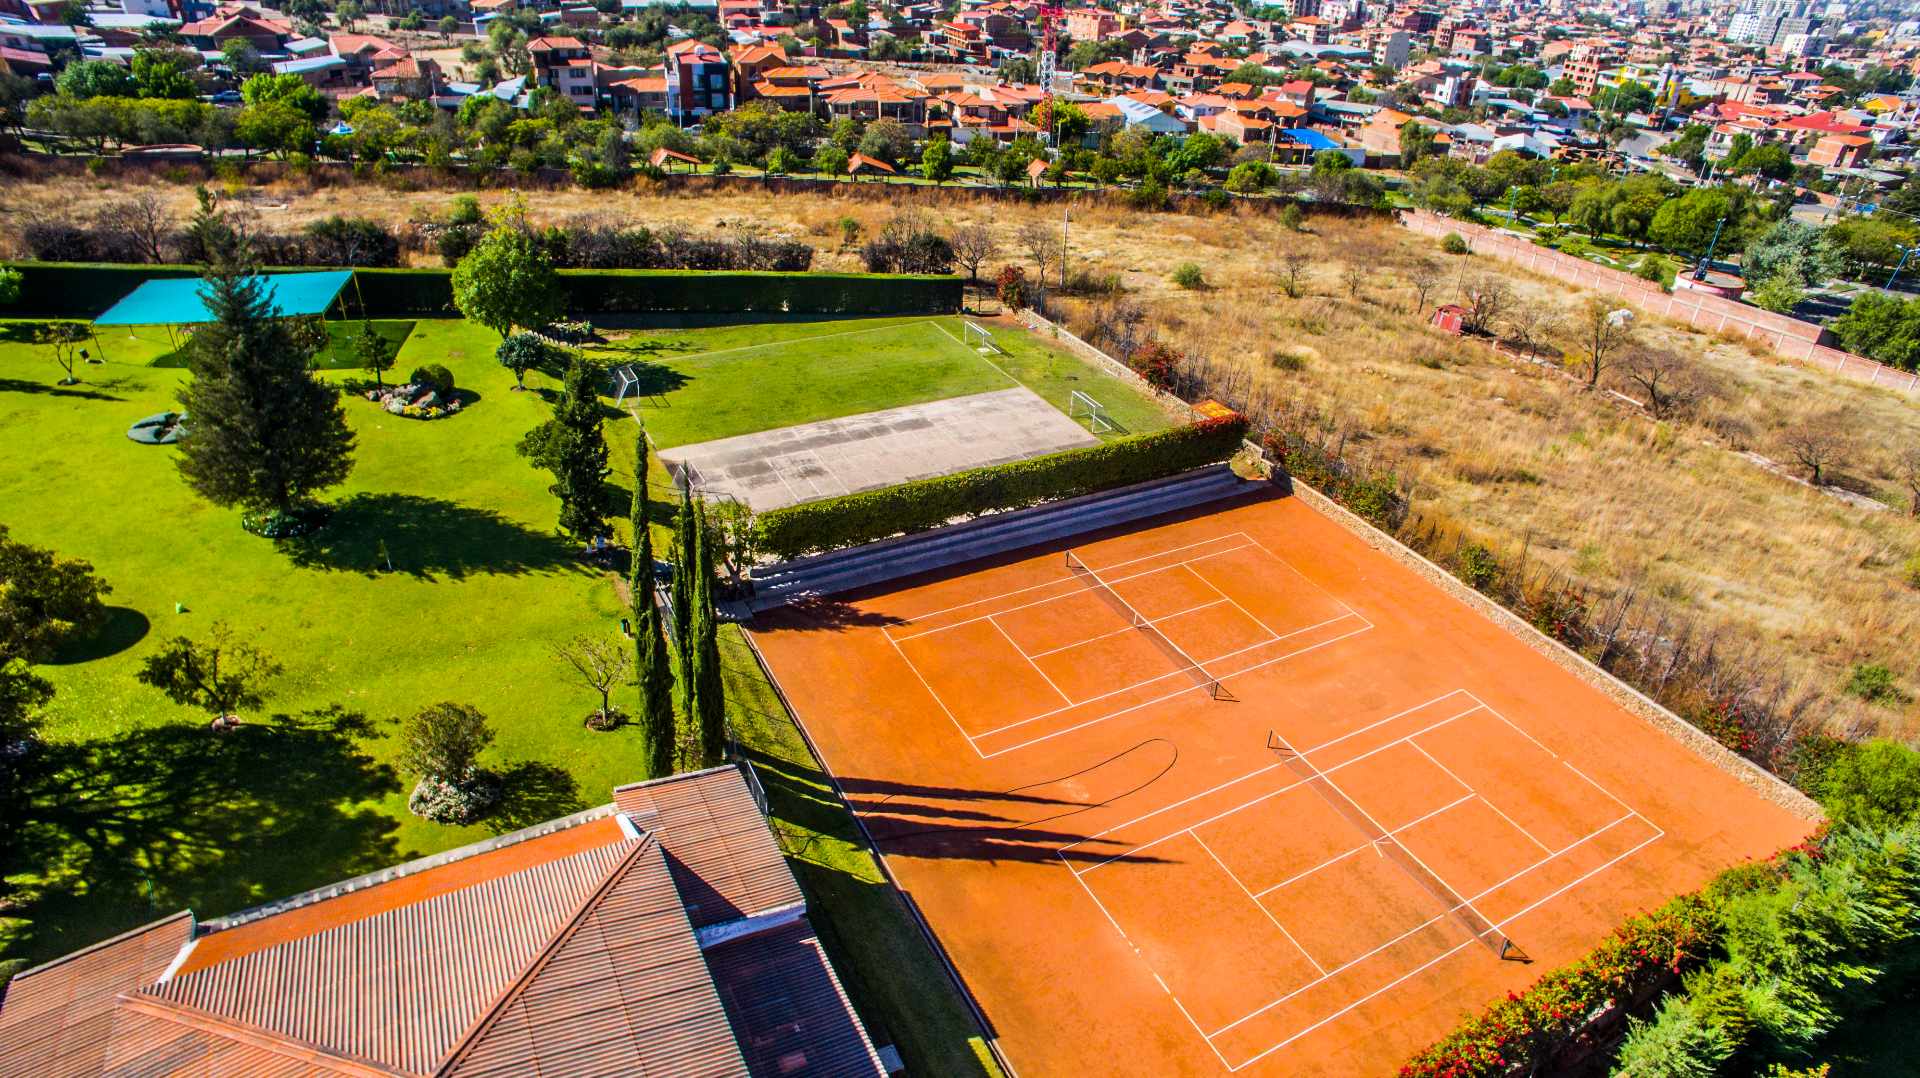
(852, 519)
(85, 290)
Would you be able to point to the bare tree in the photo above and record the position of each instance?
(1530, 323)
(1818, 441)
(1907, 463)
(1424, 276)
(1041, 242)
(142, 221)
(1117, 325)
(1292, 272)
(1485, 298)
(64, 338)
(972, 246)
(1354, 276)
(1603, 331)
(1670, 382)
(601, 663)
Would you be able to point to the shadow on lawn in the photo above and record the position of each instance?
(134, 826)
(426, 537)
(21, 385)
(124, 628)
(535, 793)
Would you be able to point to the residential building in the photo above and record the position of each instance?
(698, 81)
(564, 64)
(660, 934)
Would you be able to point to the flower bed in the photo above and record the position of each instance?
(416, 400)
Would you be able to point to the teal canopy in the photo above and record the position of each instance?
(177, 301)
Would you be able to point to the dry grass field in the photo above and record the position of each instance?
(1516, 454)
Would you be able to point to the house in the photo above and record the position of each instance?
(412, 79)
(564, 64)
(1840, 151)
(662, 933)
(363, 53)
(1091, 24)
(698, 81)
(1137, 113)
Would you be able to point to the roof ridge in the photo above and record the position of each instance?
(103, 944)
(493, 1013)
(246, 1032)
(402, 870)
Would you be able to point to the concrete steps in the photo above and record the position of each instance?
(983, 537)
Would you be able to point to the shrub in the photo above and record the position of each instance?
(1158, 363)
(1453, 244)
(1189, 276)
(1872, 785)
(910, 507)
(462, 803)
(1676, 1045)
(1011, 287)
(1477, 566)
(1876, 684)
(1293, 217)
(433, 374)
(1288, 361)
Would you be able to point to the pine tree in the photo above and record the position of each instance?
(709, 695)
(653, 665)
(572, 446)
(683, 646)
(264, 434)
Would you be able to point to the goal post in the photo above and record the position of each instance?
(977, 338)
(1080, 406)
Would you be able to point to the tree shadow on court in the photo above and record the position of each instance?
(827, 612)
(428, 538)
(129, 827)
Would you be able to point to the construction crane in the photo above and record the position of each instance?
(1050, 17)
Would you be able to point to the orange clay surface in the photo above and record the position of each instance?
(1137, 874)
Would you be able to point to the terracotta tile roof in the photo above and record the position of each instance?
(723, 856)
(622, 991)
(406, 982)
(787, 1006)
(55, 1018)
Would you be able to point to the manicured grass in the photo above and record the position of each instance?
(157, 813)
(896, 981)
(341, 353)
(722, 381)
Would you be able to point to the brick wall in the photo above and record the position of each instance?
(1787, 337)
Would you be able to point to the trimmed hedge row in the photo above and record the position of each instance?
(853, 519)
(71, 290)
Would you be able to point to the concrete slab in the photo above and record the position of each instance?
(879, 449)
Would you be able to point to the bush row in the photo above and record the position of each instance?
(334, 241)
(910, 507)
(53, 289)
(597, 244)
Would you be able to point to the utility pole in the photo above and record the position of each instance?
(1895, 275)
(1065, 215)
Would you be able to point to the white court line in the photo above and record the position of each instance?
(798, 340)
(1436, 960)
(1081, 590)
(1190, 688)
(1298, 876)
(1515, 824)
(1274, 793)
(1169, 674)
(1030, 662)
(1125, 629)
(1537, 865)
(1069, 579)
(1202, 578)
(936, 696)
(1315, 963)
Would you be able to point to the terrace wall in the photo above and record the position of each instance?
(1787, 337)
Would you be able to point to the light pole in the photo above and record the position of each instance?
(1891, 277)
(1700, 272)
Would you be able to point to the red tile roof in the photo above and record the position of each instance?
(788, 1007)
(723, 856)
(55, 1019)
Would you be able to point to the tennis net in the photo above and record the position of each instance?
(1188, 665)
(1389, 847)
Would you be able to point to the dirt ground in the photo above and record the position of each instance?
(1518, 454)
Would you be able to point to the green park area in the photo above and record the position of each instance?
(440, 576)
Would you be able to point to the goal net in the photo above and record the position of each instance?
(978, 339)
(1090, 411)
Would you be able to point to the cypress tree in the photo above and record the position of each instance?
(579, 463)
(264, 433)
(653, 666)
(683, 646)
(709, 693)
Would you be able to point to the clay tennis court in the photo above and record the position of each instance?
(1235, 792)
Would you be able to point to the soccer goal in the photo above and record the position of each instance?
(625, 380)
(1080, 406)
(978, 339)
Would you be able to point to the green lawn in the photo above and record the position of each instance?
(342, 351)
(720, 381)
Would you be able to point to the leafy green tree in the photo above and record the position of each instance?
(267, 435)
(10, 281)
(1255, 75)
(1416, 141)
(290, 90)
(1872, 785)
(45, 601)
(375, 350)
(1769, 159)
(936, 161)
(1780, 293)
(162, 73)
(521, 353)
(1689, 147)
(886, 140)
(573, 446)
(653, 665)
(831, 160)
(1873, 242)
(444, 741)
(241, 57)
(507, 281)
(1802, 252)
(1685, 225)
(448, 26)
(96, 78)
(1883, 327)
(23, 695)
(223, 676)
(1676, 1043)
(274, 127)
(1249, 177)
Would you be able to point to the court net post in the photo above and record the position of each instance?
(1191, 667)
(1481, 929)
